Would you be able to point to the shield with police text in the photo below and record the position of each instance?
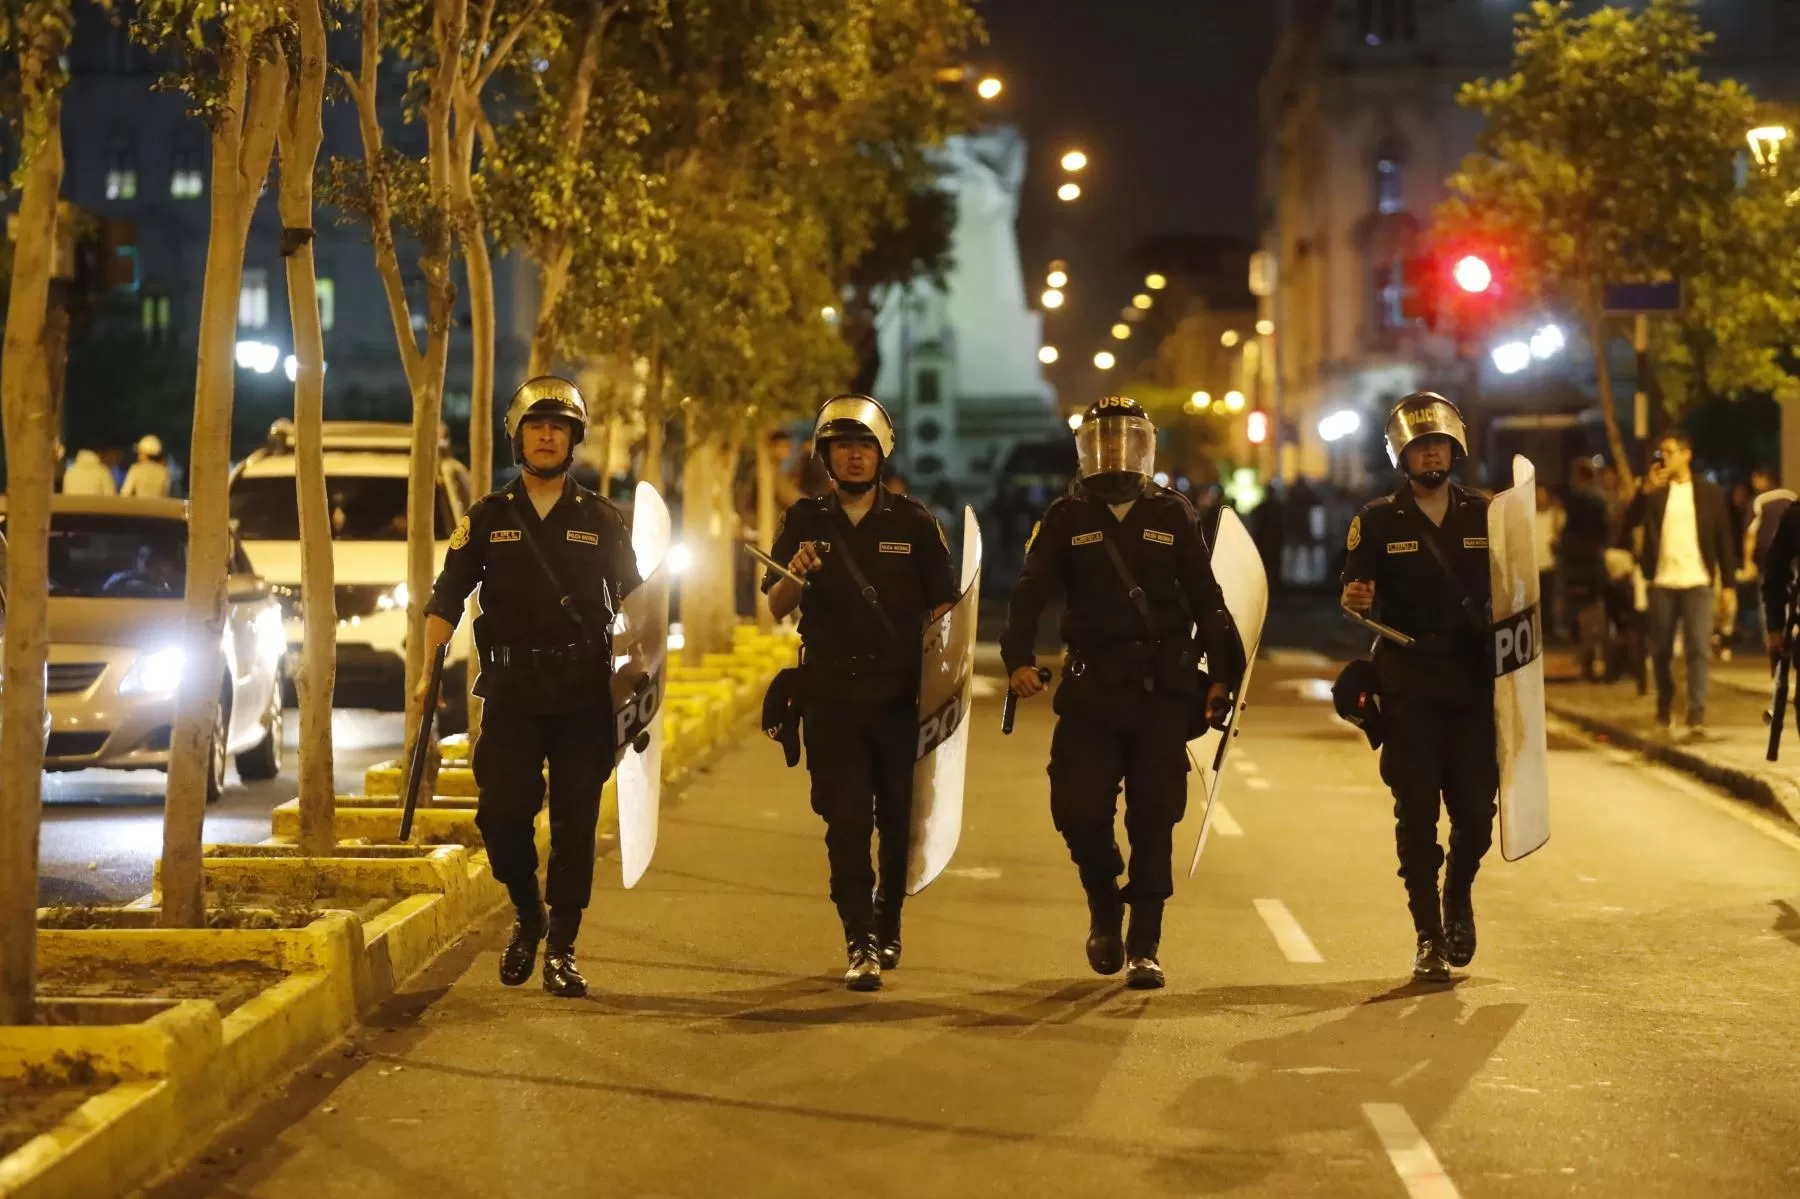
(640, 674)
(1516, 654)
(946, 689)
(1238, 567)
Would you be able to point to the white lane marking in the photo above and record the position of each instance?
(1295, 657)
(1245, 766)
(1224, 823)
(1295, 945)
(979, 873)
(982, 687)
(1318, 690)
(1412, 1158)
(1257, 783)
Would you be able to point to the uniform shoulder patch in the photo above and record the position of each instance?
(896, 547)
(584, 537)
(1086, 538)
(460, 537)
(1158, 536)
(505, 535)
(1355, 537)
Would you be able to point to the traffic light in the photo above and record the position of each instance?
(1460, 286)
(1472, 274)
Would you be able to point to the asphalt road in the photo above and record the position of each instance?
(102, 829)
(1628, 1027)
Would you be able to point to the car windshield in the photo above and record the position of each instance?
(95, 556)
(362, 507)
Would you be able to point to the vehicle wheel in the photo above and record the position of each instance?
(453, 701)
(264, 761)
(215, 774)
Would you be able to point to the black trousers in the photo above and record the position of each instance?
(1439, 750)
(861, 755)
(509, 763)
(1105, 736)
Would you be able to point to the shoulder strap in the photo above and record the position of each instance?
(543, 559)
(1131, 586)
(1470, 608)
(862, 580)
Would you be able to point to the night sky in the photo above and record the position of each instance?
(1161, 95)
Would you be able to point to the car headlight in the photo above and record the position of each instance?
(155, 673)
(271, 635)
(394, 599)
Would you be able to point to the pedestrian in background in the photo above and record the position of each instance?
(149, 475)
(1581, 561)
(87, 475)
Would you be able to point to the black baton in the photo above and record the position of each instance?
(1011, 708)
(415, 770)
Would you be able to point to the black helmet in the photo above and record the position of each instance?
(546, 395)
(1116, 443)
(1425, 414)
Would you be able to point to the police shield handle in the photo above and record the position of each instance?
(415, 769)
(775, 566)
(1011, 708)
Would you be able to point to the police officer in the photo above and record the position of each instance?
(1419, 559)
(553, 561)
(877, 567)
(1135, 625)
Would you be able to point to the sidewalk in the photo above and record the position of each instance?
(1733, 753)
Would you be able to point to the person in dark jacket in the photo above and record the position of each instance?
(1688, 544)
(1583, 562)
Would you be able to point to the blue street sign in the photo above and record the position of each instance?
(1629, 299)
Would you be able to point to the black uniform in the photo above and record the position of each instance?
(860, 681)
(1129, 689)
(1437, 697)
(546, 677)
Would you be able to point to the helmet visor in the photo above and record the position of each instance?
(843, 416)
(1407, 425)
(1116, 443)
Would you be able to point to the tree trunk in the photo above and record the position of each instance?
(765, 517)
(30, 471)
(697, 513)
(1609, 408)
(478, 266)
(301, 133)
(242, 144)
(556, 251)
(724, 544)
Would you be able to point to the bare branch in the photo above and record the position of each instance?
(504, 50)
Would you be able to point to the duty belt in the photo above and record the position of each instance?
(505, 656)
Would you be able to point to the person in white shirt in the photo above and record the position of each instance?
(87, 475)
(1687, 545)
(149, 475)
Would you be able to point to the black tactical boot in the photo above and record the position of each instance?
(1142, 971)
(863, 972)
(1428, 960)
(561, 977)
(519, 958)
(887, 930)
(1459, 922)
(1106, 929)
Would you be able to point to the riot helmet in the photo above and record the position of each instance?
(1425, 414)
(852, 416)
(1116, 445)
(546, 396)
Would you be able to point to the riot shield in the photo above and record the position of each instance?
(946, 690)
(1520, 739)
(1239, 568)
(640, 675)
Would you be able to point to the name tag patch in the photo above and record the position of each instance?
(896, 547)
(1475, 543)
(1403, 547)
(1159, 536)
(505, 535)
(584, 538)
(1086, 538)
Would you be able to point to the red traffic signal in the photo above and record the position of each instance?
(1472, 274)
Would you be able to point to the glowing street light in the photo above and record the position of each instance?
(1511, 358)
(1228, 338)
(1265, 328)
(1052, 298)
(1765, 142)
(1105, 361)
(1546, 342)
(1200, 401)
(989, 88)
(1069, 192)
(1155, 282)
(1074, 421)
(1339, 425)
(1048, 355)
(1121, 331)
(1074, 160)
(1472, 274)
(1058, 279)
(1141, 302)
(1234, 401)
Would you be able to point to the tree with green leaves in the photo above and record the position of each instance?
(35, 33)
(1608, 158)
(231, 64)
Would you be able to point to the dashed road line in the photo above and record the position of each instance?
(1411, 1156)
(1224, 823)
(1295, 945)
(1295, 658)
(1245, 765)
(1256, 782)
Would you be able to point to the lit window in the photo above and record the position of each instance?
(155, 311)
(121, 183)
(327, 303)
(186, 180)
(1382, 21)
(253, 299)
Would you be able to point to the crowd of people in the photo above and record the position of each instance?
(104, 471)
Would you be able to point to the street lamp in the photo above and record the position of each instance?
(1105, 361)
(1199, 401)
(1048, 355)
(1074, 160)
(989, 88)
(1052, 298)
(1069, 192)
(1228, 338)
(1141, 302)
(1511, 357)
(1765, 142)
(1546, 341)
(1234, 401)
(1339, 425)
(1155, 282)
(1074, 421)
(1121, 331)
(1058, 279)
(1265, 328)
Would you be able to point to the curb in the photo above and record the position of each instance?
(1777, 796)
